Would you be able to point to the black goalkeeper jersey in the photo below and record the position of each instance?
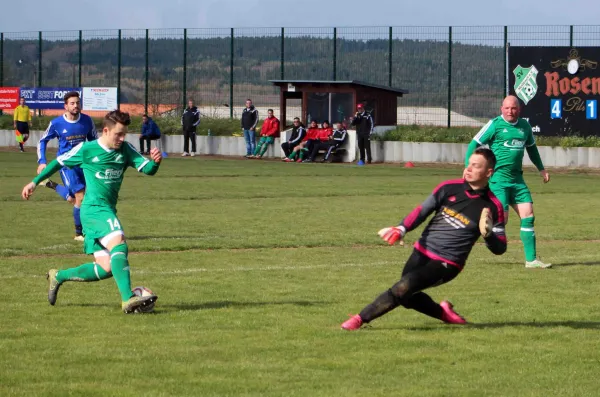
(454, 229)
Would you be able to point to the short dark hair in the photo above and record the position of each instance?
(69, 95)
(248, 99)
(270, 110)
(326, 121)
(145, 115)
(114, 117)
(488, 155)
(296, 118)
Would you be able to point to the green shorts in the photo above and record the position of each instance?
(266, 140)
(510, 193)
(98, 222)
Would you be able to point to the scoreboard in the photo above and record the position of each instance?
(559, 88)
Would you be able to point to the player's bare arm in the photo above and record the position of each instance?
(28, 190)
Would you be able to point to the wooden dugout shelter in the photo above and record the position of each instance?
(336, 100)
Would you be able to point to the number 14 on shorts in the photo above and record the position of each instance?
(114, 224)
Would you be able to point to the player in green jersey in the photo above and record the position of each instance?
(509, 136)
(103, 162)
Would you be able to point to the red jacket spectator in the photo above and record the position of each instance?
(270, 127)
(324, 133)
(312, 133)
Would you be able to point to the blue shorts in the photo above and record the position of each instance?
(73, 179)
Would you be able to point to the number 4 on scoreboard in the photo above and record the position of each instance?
(556, 108)
(591, 109)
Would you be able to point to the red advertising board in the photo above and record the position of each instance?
(9, 98)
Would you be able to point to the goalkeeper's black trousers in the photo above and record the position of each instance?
(420, 272)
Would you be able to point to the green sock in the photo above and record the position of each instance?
(120, 270)
(292, 155)
(264, 148)
(302, 154)
(85, 272)
(528, 238)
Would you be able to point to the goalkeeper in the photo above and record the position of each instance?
(464, 210)
(509, 136)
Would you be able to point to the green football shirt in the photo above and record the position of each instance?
(104, 168)
(508, 141)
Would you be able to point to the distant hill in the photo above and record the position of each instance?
(419, 66)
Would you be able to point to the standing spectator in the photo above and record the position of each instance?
(22, 118)
(298, 134)
(364, 128)
(268, 133)
(150, 132)
(189, 121)
(249, 122)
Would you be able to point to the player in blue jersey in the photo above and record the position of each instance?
(71, 129)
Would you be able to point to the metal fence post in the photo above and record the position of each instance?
(334, 54)
(184, 67)
(39, 82)
(1, 59)
(40, 65)
(119, 71)
(571, 36)
(80, 56)
(449, 74)
(390, 57)
(505, 60)
(1, 63)
(147, 72)
(282, 53)
(231, 76)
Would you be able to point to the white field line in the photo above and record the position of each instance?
(332, 266)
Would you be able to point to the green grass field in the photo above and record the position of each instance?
(256, 265)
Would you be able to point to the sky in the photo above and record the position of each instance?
(48, 15)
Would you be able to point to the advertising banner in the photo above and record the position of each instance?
(99, 98)
(46, 97)
(559, 88)
(9, 98)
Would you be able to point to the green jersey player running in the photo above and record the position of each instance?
(104, 162)
(509, 136)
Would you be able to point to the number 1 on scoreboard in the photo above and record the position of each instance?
(555, 108)
(591, 109)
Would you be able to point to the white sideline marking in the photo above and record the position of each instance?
(233, 270)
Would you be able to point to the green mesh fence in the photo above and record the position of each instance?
(477, 87)
(21, 59)
(455, 79)
(60, 59)
(363, 54)
(165, 73)
(420, 64)
(208, 70)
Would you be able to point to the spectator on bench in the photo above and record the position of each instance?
(150, 132)
(268, 133)
(336, 139)
(311, 134)
(321, 135)
(298, 134)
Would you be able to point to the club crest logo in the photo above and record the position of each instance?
(525, 82)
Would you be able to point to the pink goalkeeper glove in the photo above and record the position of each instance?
(392, 234)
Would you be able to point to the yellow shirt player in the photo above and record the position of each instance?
(22, 118)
